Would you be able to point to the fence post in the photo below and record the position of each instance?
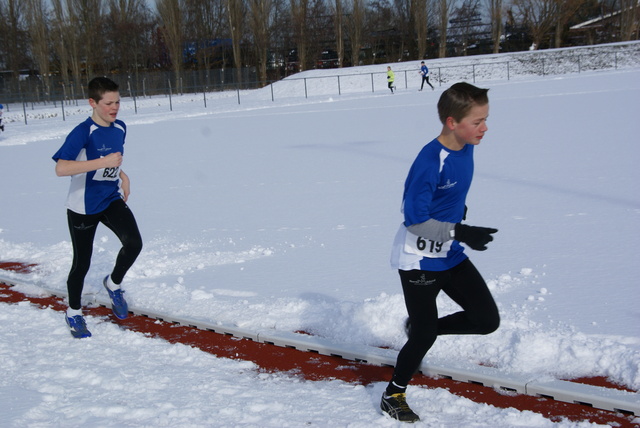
(579, 64)
(62, 103)
(271, 85)
(339, 91)
(24, 110)
(170, 104)
(204, 95)
(305, 88)
(508, 71)
(238, 91)
(135, 104)
(372, 83)
(473, 72)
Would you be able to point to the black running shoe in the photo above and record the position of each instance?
(396, 406)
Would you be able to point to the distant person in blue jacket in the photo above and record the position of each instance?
(424, 72)
(1, 125)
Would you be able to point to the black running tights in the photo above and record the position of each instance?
(465, 286)
(117, 217)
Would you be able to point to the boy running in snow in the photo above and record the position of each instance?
(92, 156)
(424, 72)
(390, 79)
(427, 250)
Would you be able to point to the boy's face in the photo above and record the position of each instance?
(105, 111)
(472, 127)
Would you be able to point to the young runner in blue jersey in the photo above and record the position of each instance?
(427, 249)
(92, 156)
(424, 72)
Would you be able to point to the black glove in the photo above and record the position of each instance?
(475, 237)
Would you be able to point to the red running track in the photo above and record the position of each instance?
(312, 366)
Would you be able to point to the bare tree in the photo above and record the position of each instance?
(89, 14)
(236, 12)
(466, 23)
(445, 7)
(420, 20)
(539, 15)
(261, 11)
(402, 16)
(565, 11)
(36, 13)
(206, 22)
(339, 24)
(629, 19)
(299, 9)
(495, 14)
(129, 30)
(354, 25)
(172, 29)
(60, 33)
(382, 36)
(15, 35)
(66, 29)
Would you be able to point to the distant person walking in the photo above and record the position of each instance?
(390, 79)
(424, 72)
(1, 125)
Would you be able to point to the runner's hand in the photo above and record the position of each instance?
(475, 237)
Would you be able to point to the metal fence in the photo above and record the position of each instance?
(539, 63)
(32, 93)
(33, 88)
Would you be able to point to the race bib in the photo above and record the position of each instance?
(107, 174)
(415, 244)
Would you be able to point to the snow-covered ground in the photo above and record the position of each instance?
(280, 215)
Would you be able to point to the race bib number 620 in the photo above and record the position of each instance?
(415, 244)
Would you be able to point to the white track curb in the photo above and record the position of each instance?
(569, 392)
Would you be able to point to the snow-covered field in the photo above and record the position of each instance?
(280, 215)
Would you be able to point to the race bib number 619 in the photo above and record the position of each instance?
(415, 244)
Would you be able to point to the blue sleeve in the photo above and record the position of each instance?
(124, 137)
(74, 143)
(420, 187)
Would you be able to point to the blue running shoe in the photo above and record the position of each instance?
(118, 304)
(77, 326)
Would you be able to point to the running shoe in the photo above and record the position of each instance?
(396, 406)
(118, 303)
(77, 326)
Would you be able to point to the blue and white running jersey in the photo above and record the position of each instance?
(93, 191)
(436, 188)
